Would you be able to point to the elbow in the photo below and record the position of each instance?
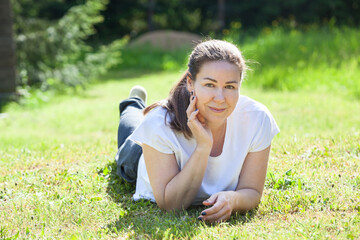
(165, 207)
(257, 197)
(170, 208)
(171, 204)
(250, 198)
(162, 204)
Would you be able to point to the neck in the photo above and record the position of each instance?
(218, 133)
(218, 129)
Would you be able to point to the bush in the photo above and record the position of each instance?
(53, 53)
(150, 58)
(322, 58)
(281, 58)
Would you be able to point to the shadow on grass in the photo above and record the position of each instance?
(5, 99)
(2, 106)
(144, 219)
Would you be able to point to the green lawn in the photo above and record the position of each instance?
(57, 170)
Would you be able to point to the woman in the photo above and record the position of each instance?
(205, 144)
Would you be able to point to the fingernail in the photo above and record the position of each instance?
(203, 213)
(200, 219)
(193, 97)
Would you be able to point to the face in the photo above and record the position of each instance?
(216, 87)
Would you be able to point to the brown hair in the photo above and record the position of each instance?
(179, 97)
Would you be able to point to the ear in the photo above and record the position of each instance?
(189, 83)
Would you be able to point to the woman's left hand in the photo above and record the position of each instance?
(221, 207)
(248, 192)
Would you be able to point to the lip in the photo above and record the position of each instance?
(217, 110)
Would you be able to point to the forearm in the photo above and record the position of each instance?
(245, 199)
(182, 189)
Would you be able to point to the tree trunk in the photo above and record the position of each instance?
(151, 6)
(221, 15)
(7, 51)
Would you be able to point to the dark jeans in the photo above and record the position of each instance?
(128, 155)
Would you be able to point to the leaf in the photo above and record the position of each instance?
(299, 185)
(289, 172)
(122, 213)
(95, 199)
(106, 171)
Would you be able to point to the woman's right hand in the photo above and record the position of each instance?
(199, 129)
(170, 185)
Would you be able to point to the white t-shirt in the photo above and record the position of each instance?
(250, 128)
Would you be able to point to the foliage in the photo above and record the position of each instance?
(300, 12)
(201, 16)
(316, 58)
(150, 58)
(57, 175)
(280, 58)
(134, 17)
(53, 46)
(51, 53)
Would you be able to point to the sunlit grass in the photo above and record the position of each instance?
(57, 172)
(321, 58)
(324, 59)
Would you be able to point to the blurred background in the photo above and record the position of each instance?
(294, 44)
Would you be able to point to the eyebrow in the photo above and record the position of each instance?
(213, 80)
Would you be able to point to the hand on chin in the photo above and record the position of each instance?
(201, 119)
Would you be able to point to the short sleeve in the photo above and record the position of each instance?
(154, 132)
(265, 131)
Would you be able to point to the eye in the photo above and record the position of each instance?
(209, 85)
(229, 87)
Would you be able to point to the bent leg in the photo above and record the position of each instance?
(131, 115)
(127, 157)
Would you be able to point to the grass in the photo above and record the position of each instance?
(57, 172)
(286, 59)
(319, 58)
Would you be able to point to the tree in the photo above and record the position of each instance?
(7, 51)
(151, 7)
(221, 14)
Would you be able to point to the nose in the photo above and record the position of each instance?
(219, 96)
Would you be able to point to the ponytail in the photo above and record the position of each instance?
(176, 105)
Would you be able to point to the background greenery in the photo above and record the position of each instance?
(53, 53)
(69, 42)
(57, 144)
(316, 58)
(131, 17)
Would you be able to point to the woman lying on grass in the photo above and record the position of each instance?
(205, 144)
